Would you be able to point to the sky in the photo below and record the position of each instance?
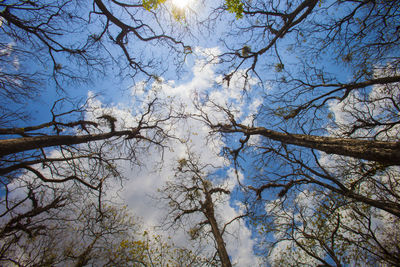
(123, 98)
(140, 190)
(200, 79)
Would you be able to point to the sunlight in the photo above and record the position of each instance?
(180, 3)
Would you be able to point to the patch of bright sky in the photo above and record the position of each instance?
(181, 3)
(144, 181)
(200, 79)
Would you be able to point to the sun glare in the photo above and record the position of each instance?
(180, 3)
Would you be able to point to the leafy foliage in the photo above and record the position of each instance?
(152, 4)
(235, 7)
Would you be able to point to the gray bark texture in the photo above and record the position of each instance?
(379, 151)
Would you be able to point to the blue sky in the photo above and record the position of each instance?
(123, 97)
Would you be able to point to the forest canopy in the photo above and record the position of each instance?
(199, 133)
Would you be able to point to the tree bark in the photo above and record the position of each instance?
(209, 213)
(379, 151)
(11, 146)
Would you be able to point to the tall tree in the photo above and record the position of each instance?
(192, 191)
(71, 229)
(331, 74)
(49, 46)
(76, 139)
(338, 94)
(316, 227)
(380, 151)
(66, 40)
(40, 177)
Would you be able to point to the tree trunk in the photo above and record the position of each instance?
(11, 146)
(209, 213)
(379, 151)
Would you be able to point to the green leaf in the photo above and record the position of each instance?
(236, 7)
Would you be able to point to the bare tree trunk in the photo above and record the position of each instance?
(11, 146)
(380, 151)
(209, 213)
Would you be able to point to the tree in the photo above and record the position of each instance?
(191, 192)
(68, 40)
(333, 88)
(324, 228)
(348, 33)
(358, 192)
(66, 226)
(379, 151)
(308, 169)
(154, 250)
(39, 30)
(78, 150)
(40, 177)
(76, 143)
(54, 45)
(338, 96)
(22, 217)
(73, 230)
(312, 88)
(55, 225)
(357, 38)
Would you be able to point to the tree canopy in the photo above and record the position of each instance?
(274, 120)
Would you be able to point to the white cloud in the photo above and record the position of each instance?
(155, 169)
(146, 179)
